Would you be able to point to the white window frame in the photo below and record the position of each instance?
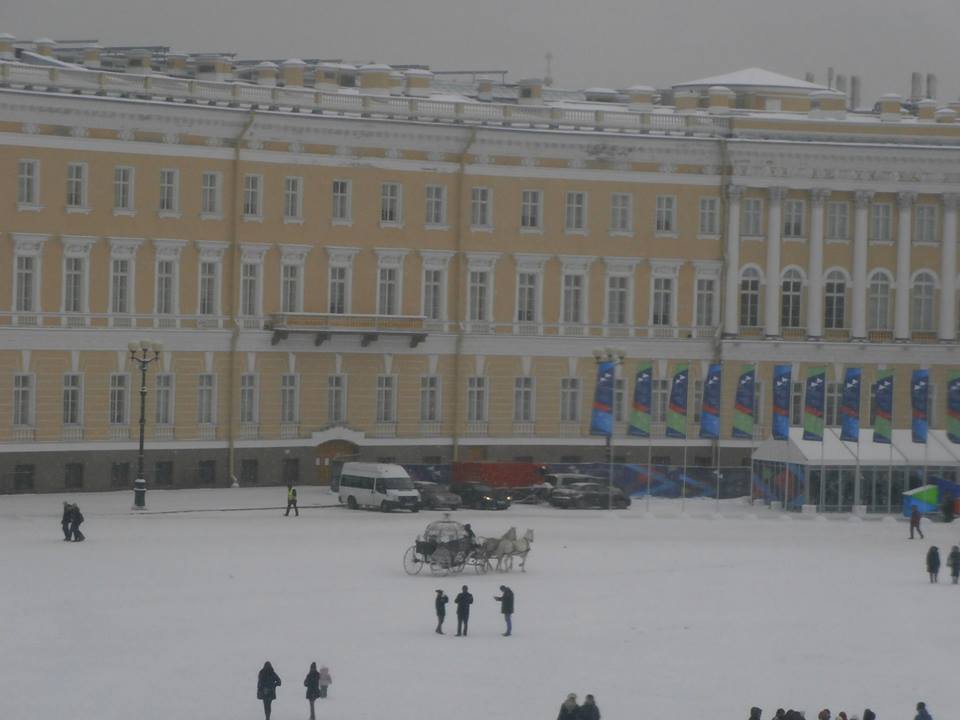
(665, 217)
(925, 224)
(211, 195)
(390, 261)
(478, 398)
(756, 276)
(28, 185)
(837, 222)
(341, 202)
(115, 389)
(531, 211)
(880, 224)
(707, 271)
(210, 252)
(164, 400)
(832, 300)
(76, 403)
(709, 225)
(430, 399)
(340, 258)
(28, 303)
(751, 218)
(123, 251)
(252, 207)
(77, 188)
(524, 399)
(435, 207)
(208, 283)
(621, 214)
(481, 208)
(877, 303)
(570, 400)
(660, 271)
(251, 255)
(292, 257)
(206, 419)
(435, 261)
(391, 204)
(290, 398)
(575, 210)
(169, 200)
(124, 199)
(795, 292)
(336, 398)
(926, 313)
(293, 200)
(573, 313)
(167, 251)
(627, 291)
(794, 219)
(386, 399)
(23, 410)
(249, 399)
(480, 264)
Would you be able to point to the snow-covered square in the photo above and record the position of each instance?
(659, 614)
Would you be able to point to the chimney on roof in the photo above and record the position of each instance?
(809, 77)
(7, 51)
(418, 82)
(485, 89)
(45, 46)
(375, 79)
(854, 92)
(292, 72)
(265, 73)
(931, 86)
(916, 85)
(830, 77)
(926, 109)
(641, 97)
(139, 61)
(890, 105)
(530, 91)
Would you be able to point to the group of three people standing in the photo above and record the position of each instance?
(463, 601)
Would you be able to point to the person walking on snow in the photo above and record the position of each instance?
(325, 680)
(267, 683)
(922, 713)
(65, 522)
(463, 601)
(755, 713)
(506, 607)
(569, 710)
(915, 522)
(291, 500)
(440, 603)
(933, 562)
(953, 561)
(312, 683)
(76, 519)
(589, 710)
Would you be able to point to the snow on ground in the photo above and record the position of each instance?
(660, 615)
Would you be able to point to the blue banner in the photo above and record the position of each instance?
(743, 404)
(813, 404)
(677, 408)
(782, 379)
(710, 411)
(953, 406)
(883, 407)
(642, 398)
(850, 406)
(601, 417)
(919, 393)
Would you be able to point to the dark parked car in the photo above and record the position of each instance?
(587, 495)
(434, 496)
(482, 496)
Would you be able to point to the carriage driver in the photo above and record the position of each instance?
(471, 536)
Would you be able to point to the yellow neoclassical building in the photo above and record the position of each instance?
(396, 264)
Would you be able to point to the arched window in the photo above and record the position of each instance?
(835, 296)
(791, 297)
(750, 298)
(878, 301)
(921, 302)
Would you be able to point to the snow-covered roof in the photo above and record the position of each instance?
(939, 450)
(754, 77)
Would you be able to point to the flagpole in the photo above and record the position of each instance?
(649, 468)
(823, 472)
(717, 473)
(890, 471)
(683, 482)
(857, 489)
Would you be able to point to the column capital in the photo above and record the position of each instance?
(863, 198)
(776, 194)
(905, 200)
(818, 196)
(734, 192)
(951, 200)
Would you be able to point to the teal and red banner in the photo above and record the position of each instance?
(953, 406)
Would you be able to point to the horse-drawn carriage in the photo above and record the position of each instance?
(446, 547)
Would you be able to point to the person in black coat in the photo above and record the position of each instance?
(76, 518)
(312, 683)
(267, 683)
(569, 710)
(505, 599)
(933, 562)
(915, 522)
(589, 710)
(953, 562)
(463, 601)
(868, 714)
(755, 713)
(440, 604)
(65, 522)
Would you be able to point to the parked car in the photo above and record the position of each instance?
(558, 480)
(587, 495)
(434, 496)
(481, 496)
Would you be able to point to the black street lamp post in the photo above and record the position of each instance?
(142, 353)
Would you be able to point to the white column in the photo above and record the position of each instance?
(815, 268)
(861, 220)
(901, 321)
(772, 291)
(731, 295)
(948, 269)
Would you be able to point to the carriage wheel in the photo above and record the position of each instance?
(411, 563)
(459, 562)
(441, 561)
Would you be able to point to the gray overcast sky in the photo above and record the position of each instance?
(594, 42)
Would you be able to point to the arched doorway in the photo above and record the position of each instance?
(329, 454)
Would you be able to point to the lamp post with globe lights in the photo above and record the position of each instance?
(616, 357)
(142, 353)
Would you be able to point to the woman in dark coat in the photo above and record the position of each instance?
(267, 683)
(953, 560)
(312, 683)
(933, 562)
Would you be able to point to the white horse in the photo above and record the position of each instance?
(510, 547)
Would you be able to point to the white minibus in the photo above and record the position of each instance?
(377, 485)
